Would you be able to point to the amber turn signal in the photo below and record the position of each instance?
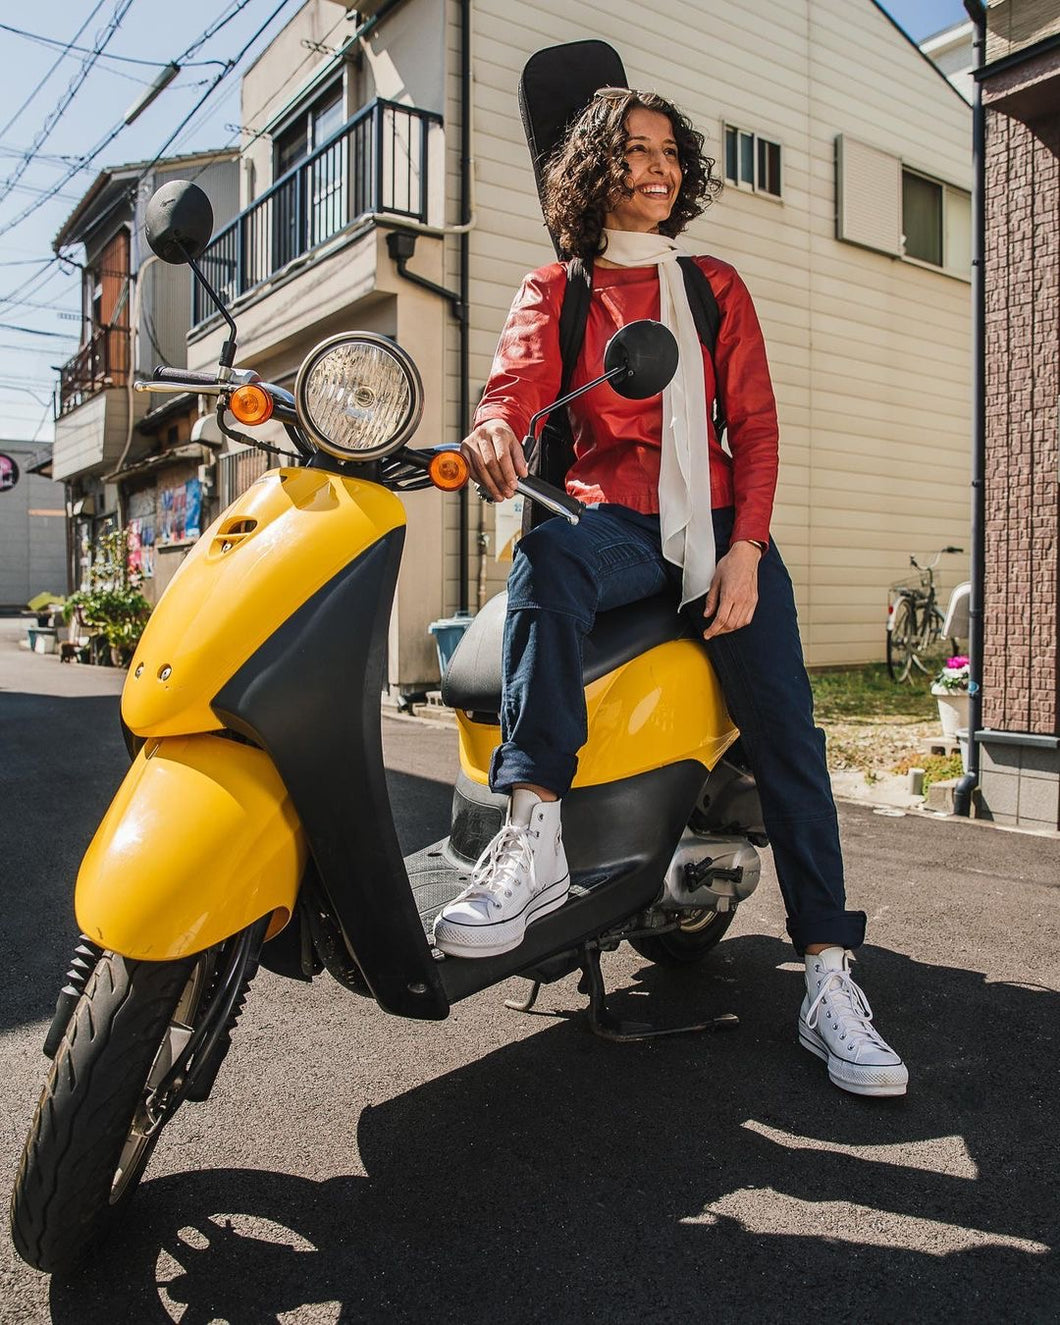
(449, 471)
(251, 405)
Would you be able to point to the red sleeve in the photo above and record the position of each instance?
(527, 368)
(745, 387)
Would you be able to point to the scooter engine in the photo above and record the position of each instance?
(710, 874)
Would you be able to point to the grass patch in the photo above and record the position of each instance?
(937, 768)
(868, 692)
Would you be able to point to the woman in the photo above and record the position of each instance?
(668, 506)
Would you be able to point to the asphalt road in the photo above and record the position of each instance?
(355, 1167)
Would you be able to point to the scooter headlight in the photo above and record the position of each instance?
(359, 396)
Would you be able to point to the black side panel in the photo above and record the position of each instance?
(310, 696)
(619, 839)
(556, 84)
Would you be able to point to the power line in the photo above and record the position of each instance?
(109, 137)
(33, 331)
(77, 82)
(99, 5)
(66, 46)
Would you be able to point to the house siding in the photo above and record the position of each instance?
(870, 355)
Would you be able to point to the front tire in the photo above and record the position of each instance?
(689, 943)
(93, 1133)
(901, 640)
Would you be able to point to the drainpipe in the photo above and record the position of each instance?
(962, 794)
(465, 221)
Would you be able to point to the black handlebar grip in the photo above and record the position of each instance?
(184, 376)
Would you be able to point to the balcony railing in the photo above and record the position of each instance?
(101, 362)
(377, 162)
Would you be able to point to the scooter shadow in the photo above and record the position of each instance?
(567, 1179)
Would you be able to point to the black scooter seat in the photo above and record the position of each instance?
(472, 680)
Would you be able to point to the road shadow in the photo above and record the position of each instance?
(562, 1178)
(63, 761)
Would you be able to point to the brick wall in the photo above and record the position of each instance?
(1022, 349)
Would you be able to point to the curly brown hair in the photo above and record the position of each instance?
(588, 173)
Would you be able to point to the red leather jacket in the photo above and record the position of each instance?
(617, 441)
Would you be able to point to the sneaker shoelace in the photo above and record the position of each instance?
(851, 1009)
(497, 869)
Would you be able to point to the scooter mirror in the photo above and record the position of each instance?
(178, 221)
(648, 352)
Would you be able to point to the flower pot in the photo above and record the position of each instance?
(953, 710)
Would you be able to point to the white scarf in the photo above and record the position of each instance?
(684, 472)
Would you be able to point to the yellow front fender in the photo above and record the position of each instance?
(200, 841)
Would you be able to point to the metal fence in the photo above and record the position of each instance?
(101, 362)
(377, 162)
(236, 472)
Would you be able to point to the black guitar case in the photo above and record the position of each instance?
(556, 85)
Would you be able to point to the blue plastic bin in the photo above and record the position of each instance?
(448, 632)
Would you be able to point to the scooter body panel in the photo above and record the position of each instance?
(289, 534)
(663, 707)
(200, 841)
(309, 696)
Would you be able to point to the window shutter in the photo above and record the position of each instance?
(868, 196)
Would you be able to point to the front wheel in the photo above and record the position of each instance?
(102, 1108)
(689, 943)
(901, 640)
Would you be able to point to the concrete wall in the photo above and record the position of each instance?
(32, 532)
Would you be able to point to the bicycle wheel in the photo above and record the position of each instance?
(901, 639)
(930, 647)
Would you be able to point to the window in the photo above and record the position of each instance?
(309, 129)
(752, 162)
(885, 205)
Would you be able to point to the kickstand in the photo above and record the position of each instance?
(528, 1002)
(607, 1026)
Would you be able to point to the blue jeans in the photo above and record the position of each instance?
(561, 576)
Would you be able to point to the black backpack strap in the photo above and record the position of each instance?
(553, 452)
(707, 316)
(574, 316)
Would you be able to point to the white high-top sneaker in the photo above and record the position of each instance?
(835, 1023)
(520, 877)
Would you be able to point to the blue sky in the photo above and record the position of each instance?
(39, 300)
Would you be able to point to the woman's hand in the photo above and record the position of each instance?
(733, 594)
(496, 458)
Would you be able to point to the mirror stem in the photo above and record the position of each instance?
(622, 370)
(228, 349)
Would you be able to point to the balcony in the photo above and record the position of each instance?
(377, 162)
(102, 362)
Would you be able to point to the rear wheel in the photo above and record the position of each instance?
(101, 1111)
(901, 640)
(697, 934)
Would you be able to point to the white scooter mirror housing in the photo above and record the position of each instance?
(359, 396)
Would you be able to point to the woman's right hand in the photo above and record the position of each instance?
(496, 458)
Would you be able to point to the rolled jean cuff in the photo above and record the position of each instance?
(511, 766)
(844, 929)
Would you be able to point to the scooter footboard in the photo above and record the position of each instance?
(200, 841)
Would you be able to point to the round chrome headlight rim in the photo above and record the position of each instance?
(408, 424)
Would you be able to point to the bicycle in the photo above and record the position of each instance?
(914, 620)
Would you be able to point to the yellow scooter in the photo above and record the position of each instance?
(254, 825)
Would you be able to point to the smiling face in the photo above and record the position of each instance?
(653, 173)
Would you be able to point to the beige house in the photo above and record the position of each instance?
(847, 157)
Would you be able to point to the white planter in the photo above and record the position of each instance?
(953, 710)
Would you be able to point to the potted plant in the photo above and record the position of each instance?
(950, 688)
(110, 602)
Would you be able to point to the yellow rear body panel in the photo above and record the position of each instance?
(275, 546)
(200, 841)
(661, 708)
